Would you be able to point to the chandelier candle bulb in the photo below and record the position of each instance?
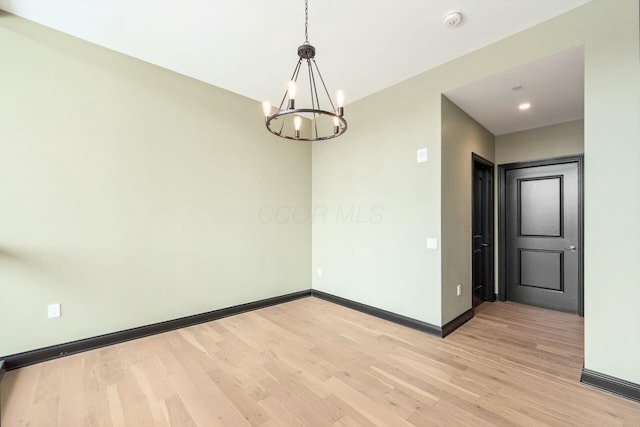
(336, 125)
(297, 123)
(340, 99)
(266, 108)
(292, 95)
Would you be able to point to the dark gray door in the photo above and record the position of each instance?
(543, 235)
(482, 231)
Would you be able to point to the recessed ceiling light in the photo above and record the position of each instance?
(524, 106)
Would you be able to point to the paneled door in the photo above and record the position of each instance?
(482, 260)
(543, 235)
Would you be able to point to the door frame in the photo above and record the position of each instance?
(489, 291)
(502, 234)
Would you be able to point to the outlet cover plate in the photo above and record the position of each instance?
(422, 155)
(432, 243)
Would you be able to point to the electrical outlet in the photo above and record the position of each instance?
(432, 243)
(53, 310)
(319, 272)
(459, 290)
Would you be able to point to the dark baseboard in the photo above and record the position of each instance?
(377, 312)
(457, 322)
(611, 384)
(20, 360)
(27, 358)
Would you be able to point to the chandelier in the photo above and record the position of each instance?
(324, 123)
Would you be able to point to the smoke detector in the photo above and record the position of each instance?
(452, 19)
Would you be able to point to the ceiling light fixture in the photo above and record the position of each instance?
(325, 124)
(524, 106)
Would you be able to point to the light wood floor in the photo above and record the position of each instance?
(313, 363)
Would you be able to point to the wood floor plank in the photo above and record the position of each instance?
(177, 413)
(115, 406)
(156, 409)
(313, 363)
(72, 399)
(20, 388)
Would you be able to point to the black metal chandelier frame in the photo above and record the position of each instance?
(306, 54)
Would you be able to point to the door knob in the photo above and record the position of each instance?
(571, 248)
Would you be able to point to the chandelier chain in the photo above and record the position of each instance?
(306, 21)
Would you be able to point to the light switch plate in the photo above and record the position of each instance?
(53, 310)
(422, 155)
(432, 243)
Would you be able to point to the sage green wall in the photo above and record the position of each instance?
(386, 264)
(541, 143)
(133, 195)
(375, 206)
(461, 136)
(612, 194)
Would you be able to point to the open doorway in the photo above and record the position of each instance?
(535, 111)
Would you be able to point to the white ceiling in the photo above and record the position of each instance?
(249, 46)
(554, 86)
